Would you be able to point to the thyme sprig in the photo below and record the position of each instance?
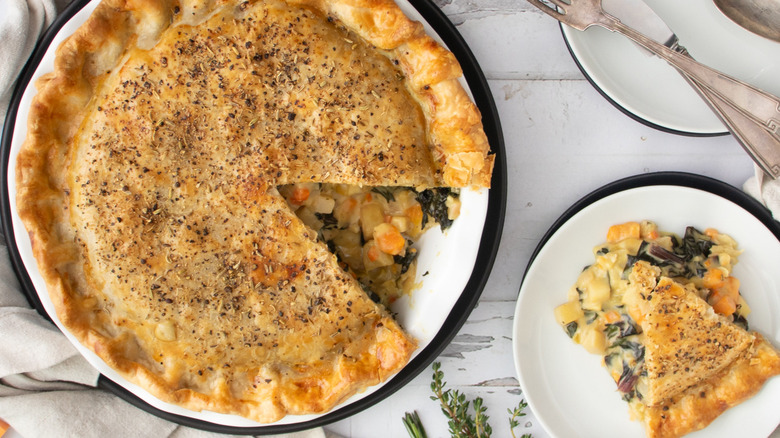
(514, 416)
(455, 406)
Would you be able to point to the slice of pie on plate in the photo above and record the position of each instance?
(697, 362)
(148, 185)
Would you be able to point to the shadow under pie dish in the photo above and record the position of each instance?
(149, 185)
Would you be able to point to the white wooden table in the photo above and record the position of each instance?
(563, 140)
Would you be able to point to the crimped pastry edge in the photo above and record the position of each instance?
(84, 59)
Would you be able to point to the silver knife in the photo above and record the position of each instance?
(760, 142)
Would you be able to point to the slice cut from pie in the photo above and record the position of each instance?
(697, 363)
(148, 185)
(685, 341)
(668, 318)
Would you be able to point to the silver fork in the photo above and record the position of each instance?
(754, 112)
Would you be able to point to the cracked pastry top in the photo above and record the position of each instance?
(148, 185)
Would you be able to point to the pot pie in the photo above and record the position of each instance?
(150, 181)
(669, 320)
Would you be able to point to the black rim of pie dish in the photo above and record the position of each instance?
(625, 110)
(486, 255)
(681, 179)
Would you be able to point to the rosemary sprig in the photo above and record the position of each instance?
(455, 406)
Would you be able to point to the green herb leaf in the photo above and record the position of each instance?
(455, 406)
(514, 416)
(414, 426)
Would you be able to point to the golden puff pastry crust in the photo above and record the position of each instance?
(696, 407)
(686, 342)
(698, 363)
(147, 183)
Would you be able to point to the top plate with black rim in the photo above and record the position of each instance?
(567, 388)
(458, 260)
(651, 91)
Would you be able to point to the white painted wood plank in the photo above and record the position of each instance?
(563, 140)
(519, 45)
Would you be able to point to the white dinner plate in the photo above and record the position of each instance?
(567, 388)
(650, 90)
(452, 266)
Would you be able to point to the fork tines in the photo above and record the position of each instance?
(549, 7)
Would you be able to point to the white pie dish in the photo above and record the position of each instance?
(449, 259)
(567, 388)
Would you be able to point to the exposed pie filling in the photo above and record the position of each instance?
(372, 230)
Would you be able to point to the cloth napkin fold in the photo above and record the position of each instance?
(765, 189)
(21, 23)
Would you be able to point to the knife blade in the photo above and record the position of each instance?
(760, 142)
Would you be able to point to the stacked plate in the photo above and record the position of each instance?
(649, 90)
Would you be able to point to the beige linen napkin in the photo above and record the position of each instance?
(21, 23)
(765, 189)
(47, 389)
